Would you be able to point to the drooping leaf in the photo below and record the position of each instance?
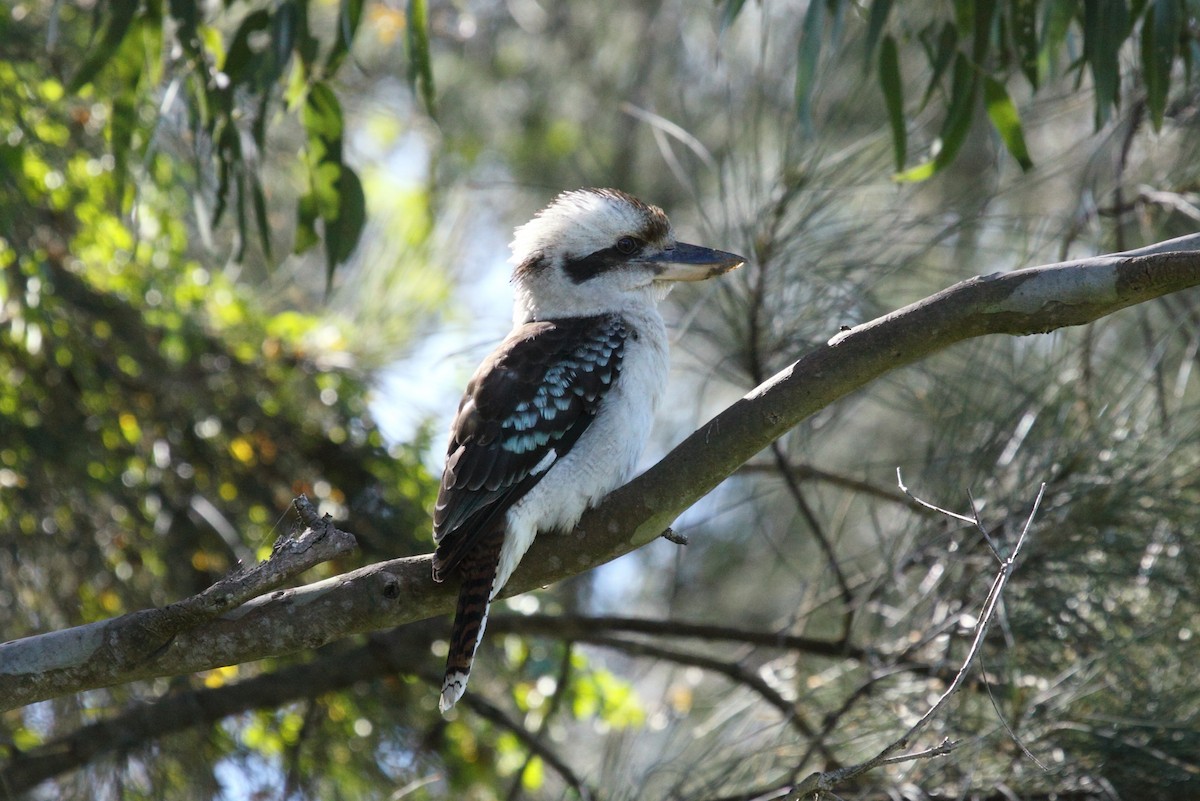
(984, 20)
(241, 60)
(964, 17)
(964, 89)
(941, 54)
(1023, 17)
(323, 114)
(307, 45)
(1105, 27)
(306, 224)
(808, 53)
(122, 125)
(127, 64)
(335, 195)
(732, 9)
(240, 243)
(343, 230)
(893, 98)
(349, 17)
(120, 17)
(1057, 17)
(229, 157)
(260, 213)
(1003, 113)
(876, 20)
(420, 66)
(285, 24)
(1160, 35)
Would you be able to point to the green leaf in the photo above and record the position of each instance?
(893, 97)
(127, 64)
(1105, 26)
(807, 56)
(239, 252)
(121, 127)
(349, 17)
(241, 60)
(121, 15)
(876, 21)
(335, 193)
(1160, 35)
(984, 19)
(1057, 18)
(186, 14)
(940, 55)
(285, 24)
(1003, 113)
(964, 17)
(323, 114)
(307, 45)
(732, 9)
(420, 67)
(1023, 14)
(306, 224)
(343, 231)
(260, 213)
(959, 113)
(229, 157)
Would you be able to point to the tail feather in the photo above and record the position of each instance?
(470, 618)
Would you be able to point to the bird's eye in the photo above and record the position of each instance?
(627, 245)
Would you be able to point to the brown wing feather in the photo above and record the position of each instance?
(536, 393)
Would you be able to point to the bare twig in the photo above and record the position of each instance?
(818, 532)
(817, 784)
(478, 704)
(972, 521)
(730, 670)
(803, 471)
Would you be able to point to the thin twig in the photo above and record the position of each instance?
(817, 784)
(973, 521)
(818, 532)
(807, 472)
(731, 670)
(478, 704)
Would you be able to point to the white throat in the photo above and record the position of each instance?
(555, 299)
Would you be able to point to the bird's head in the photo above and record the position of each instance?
(593, 251)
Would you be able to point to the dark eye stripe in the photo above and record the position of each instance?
(588, 267)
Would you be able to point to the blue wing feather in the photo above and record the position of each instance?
(536, 393)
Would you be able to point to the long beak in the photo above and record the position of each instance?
(686, 262)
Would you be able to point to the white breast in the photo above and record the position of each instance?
(605, 456)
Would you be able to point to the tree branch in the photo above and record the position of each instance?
(1033, 300)
(111, 647)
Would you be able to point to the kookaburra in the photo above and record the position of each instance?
(556, 417)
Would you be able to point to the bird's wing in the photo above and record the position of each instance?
(525, 407)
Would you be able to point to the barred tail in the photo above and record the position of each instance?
(470, 619)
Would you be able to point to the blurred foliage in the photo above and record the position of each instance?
(157, 413)
(230, 65)
(993, 49)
